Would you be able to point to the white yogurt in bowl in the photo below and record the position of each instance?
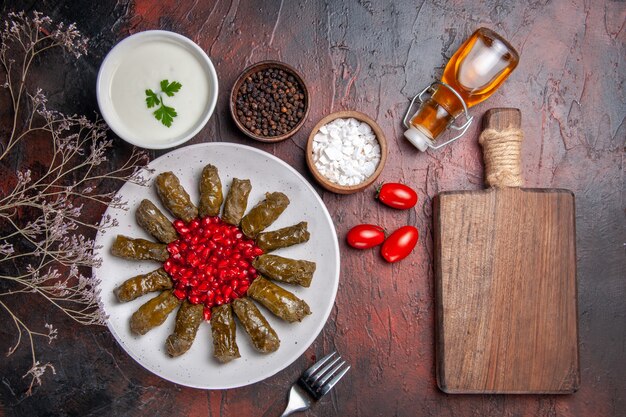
(135, 70)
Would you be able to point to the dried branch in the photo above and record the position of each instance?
(42, 250)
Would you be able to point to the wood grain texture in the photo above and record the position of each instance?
(372, 57)
(505, 272)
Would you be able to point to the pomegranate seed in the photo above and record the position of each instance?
(172, 248)
(210, 263)
(227, 291)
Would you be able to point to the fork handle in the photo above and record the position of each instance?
(289, 411)
(298, 401)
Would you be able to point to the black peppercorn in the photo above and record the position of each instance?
(272, 102)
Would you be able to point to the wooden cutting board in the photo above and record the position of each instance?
(505, 271)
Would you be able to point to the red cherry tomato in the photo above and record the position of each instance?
(396, 195)
(399, 244)
(365, 236)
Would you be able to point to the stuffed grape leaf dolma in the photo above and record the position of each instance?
(211, 196)
(225, 347)
(263, 337)
(264, 214)
(153, 221)
(282, 238)
(143, 284)
(278, 300)
(140, 249)
(153, 313)
(174, 197)
(287, 270)
(236, 201)
(188, 320)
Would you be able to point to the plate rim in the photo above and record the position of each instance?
(335, 282)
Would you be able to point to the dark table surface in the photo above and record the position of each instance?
(373, 56)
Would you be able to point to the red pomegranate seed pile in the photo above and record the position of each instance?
(211, 262)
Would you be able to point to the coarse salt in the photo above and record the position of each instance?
(346, 151)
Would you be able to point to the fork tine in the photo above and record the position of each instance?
(329, 375)
(317, 375)
(317, 365)
(325, 388)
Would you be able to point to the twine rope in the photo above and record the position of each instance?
(503, 157)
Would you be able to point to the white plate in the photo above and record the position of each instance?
(197, 368)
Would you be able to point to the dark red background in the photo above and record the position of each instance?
(373, 56)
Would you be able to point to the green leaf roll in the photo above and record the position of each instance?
(188, 320)
(174, 197)
(287, 270)
(153, 313)
(282, 238)
(139, 249)
(278, 300)
(236, 201)
(153, 221)
(139, 285)
(211, 196)
(223, 328)
(264, 214)
(263, 337)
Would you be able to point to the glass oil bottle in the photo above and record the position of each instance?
(474, 73)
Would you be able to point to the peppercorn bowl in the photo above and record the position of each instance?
(269, 102)
(334, 186)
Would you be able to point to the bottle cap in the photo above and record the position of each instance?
(418, 139)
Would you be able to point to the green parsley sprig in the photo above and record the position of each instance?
(164, 113)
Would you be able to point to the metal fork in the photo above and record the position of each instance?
(316, 381)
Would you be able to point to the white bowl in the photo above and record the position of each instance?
(123, 50)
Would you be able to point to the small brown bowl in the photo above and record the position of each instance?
(259, 67)
(325, 182)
